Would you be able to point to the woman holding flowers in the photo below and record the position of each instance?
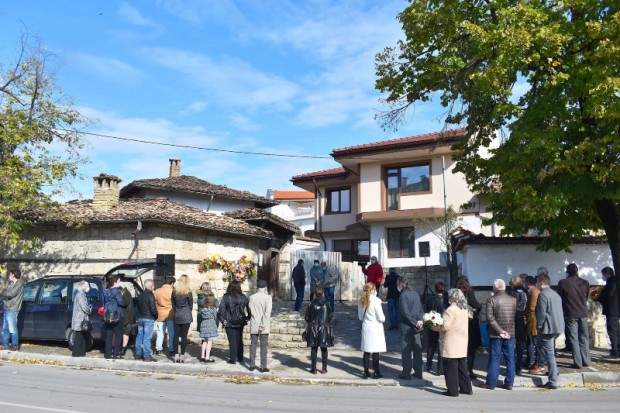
(373, 337)
(453, 345)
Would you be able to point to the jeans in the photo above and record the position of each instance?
(255, 341)
(411, 344)
(9, 329)
(392, 307)
(329, 295)
(162, 326)
(613, 330)
(299, 299)
(535, 352)
(143, 339)
(578, 336)
(497, 348)
(235, 344)
(547, 342)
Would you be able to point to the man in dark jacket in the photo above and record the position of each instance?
(574, 292)
(501, 312)
(299, 282)
(391, 283)
(147, 314)
(611, 311)
(12, 298)
(410, 322)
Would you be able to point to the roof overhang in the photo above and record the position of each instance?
(375, 216)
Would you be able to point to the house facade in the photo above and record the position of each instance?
(369, 205)
(296, 207)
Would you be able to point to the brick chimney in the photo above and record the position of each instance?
(106, 191)
(175, 167)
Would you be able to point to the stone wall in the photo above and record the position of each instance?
(95, 248)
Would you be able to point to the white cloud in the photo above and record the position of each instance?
(228, 80)
(200, 11)
(244, 123)
(133, 16)
(197, 106)
(108, 68)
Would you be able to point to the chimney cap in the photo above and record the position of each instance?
(110, 177)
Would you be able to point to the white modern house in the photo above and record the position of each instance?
(367, 205)
(296, 207)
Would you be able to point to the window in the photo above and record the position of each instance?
(352, 249)
(338, 200)
(30, 292)
(401, 242)
(53, 292)
(406, 180)
(93, 295)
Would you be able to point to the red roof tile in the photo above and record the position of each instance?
(320, 174)
(292, 195)
(159, 209)
(192, 184)
(400, 143)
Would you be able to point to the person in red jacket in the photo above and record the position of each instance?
(374, 272)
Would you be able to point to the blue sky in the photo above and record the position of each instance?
(293, 77)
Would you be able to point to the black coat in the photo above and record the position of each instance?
(390, 283)
(609, 298)
(474, 335)
(146, 305)
(183, 306)
(227, 307)
(320, 318)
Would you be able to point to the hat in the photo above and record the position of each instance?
(261, 284)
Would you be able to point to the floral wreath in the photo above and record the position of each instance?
(233, 270)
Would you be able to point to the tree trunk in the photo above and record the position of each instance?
(609, 213)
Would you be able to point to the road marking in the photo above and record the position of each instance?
(29, 406)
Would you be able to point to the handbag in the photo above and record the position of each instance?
(111, 316)
(86, 325)
(470, 312)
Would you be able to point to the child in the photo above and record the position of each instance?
(208, 328)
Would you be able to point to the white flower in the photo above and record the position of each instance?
(433, 318)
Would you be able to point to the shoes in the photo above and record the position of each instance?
(119, 357)
(209, 360)
(377, 375)
(123, 351)
(266, 370)
(313, 371)
(252, 368)
(182, 358)
(3, 348)
(449, 395)
(231, 362)
(203, 360)
(519, 372)
(158, 352)
(548, 386)
(610, 357)
(177, 358)
(486, 386)
(473, 375)
(366, 374)
(137, 357)
(506, 386)
(535, 369)
(404, 377)
(574, 366)
(324, 371)
(13, 348)
(150, 360)
(469, 393)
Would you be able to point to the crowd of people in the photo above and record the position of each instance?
(524, 317)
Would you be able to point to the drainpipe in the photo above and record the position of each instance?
(318, 205)
(210, 201)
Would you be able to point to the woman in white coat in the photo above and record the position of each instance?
(373, 337)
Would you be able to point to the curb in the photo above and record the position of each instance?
(601, 377)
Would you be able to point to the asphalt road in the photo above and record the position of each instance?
(38, 388)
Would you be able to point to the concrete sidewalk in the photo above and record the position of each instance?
(292, 366)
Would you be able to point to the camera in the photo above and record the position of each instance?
(362, 263)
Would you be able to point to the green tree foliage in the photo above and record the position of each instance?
(559, 168)
(39, 142)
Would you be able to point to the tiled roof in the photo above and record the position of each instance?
(292, 195)
(159, 209)
(195, 185)
(255, 214)
(401, 143)
(320, 174)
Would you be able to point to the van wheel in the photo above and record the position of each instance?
(70, 334)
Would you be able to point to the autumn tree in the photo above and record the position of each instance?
(39, 140)
(547, 73)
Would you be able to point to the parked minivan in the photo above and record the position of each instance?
(47, 306)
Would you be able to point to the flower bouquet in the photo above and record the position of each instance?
(595, 292)
(233, 270)
(433, 321)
